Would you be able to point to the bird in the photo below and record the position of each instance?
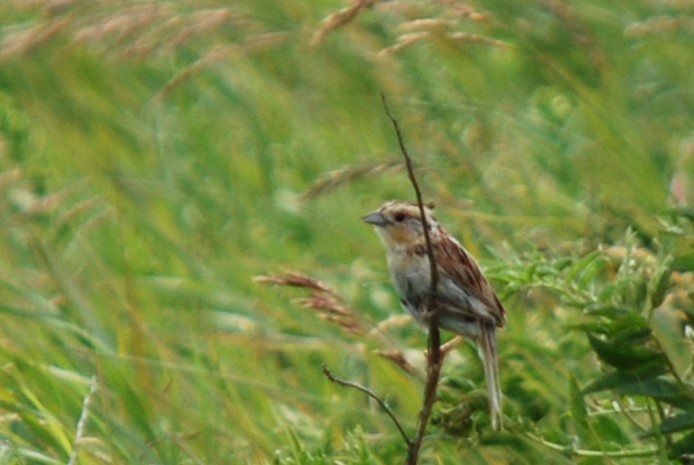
(463, 302)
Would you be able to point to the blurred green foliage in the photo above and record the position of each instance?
(155, 157)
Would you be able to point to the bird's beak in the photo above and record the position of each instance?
(375, 218)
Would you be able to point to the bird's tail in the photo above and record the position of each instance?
(487, 348)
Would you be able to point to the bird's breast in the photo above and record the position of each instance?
(410, 273)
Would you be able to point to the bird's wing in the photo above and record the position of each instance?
(458, 266)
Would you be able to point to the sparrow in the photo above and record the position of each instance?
(463, 301)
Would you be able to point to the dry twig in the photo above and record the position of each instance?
(434, 355)
(370, 393)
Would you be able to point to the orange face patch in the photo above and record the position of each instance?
(401, 236)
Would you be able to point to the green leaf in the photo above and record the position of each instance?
(584, 264)
(617, 379)
(579, 411)
(628, 334)
(683, 263)
(655, 388)
(624, 356)
(667, 329)
(562, 262)
(530, 272)
(606, 309)
(597, 327)
(674, 424)
(660, 284)
(661, 389)
(684, 446)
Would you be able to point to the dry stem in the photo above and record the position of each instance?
(434, 355)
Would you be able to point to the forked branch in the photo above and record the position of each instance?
(370, 393)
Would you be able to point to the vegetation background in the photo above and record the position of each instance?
(156, 157)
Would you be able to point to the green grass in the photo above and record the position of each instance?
(154, 159)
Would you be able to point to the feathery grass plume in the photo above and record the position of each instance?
(123, 25)
(340, 18)
(323, 300)
(444, 23)
(404, 41)
(427, 29)
(349, 173)
(294, 279)
(579, 32)
(658, 25)
(398, 358)
(143, 30)
(219, 54)
(26, 40)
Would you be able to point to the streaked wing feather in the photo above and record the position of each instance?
(457, 264)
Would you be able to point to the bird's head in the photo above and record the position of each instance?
(399, 224)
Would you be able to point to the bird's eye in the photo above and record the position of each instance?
(399, 217)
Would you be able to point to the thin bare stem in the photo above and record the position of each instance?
(418, 193)
(434, 363)
(434, 356)
(82, 422)
(572, 450)
(373, 395)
